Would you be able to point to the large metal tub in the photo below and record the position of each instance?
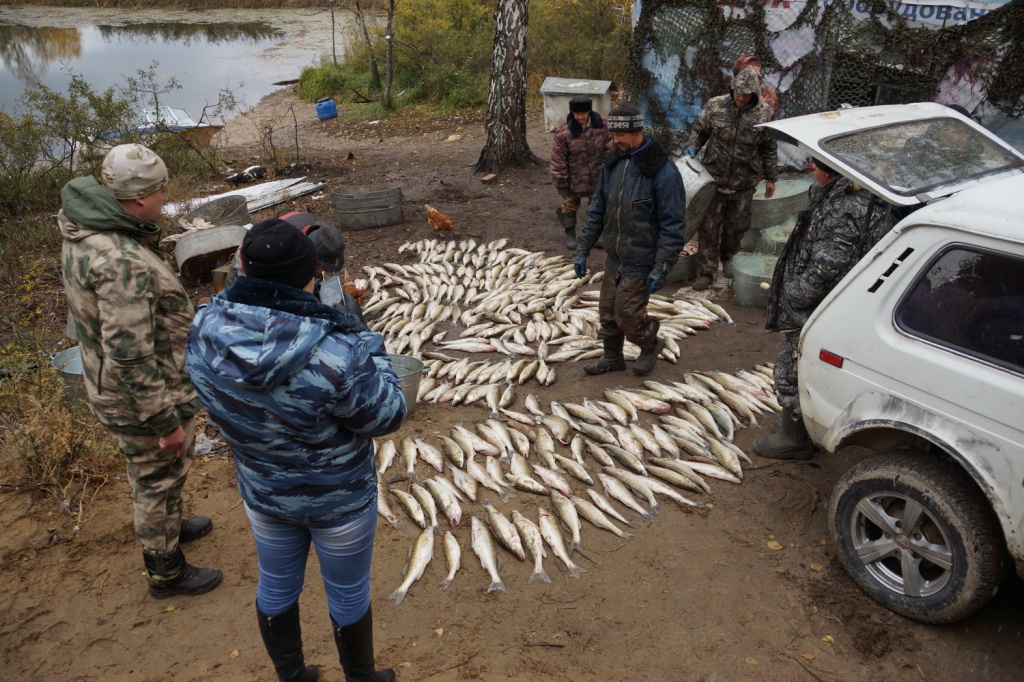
(200, 251)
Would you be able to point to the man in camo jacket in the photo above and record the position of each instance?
(131, 318)
(738, 156)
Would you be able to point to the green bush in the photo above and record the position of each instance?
(327, 80)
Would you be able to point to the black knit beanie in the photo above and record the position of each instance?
(278, 251)
(625, 117)
(580, 103)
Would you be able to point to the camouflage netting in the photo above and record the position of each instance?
(819, 55)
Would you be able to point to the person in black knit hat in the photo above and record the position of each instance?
(276, 250)
(577, 151)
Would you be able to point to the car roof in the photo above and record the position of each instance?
(990, 208)
(823, 135)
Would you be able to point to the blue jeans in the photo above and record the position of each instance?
(344, 552)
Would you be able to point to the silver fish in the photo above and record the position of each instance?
(453, 557)
(446, 500)
(386, 455)
(553, 536)
(454, 451)
(385, 510)
(659, 486)
(553, 479)
(617, 490)
(412, 507)
(534, 543)
(567, 513)
(464, 483)
(504, 531)
(429, 454)
(604, 505)
(480, 475)
(638, 484)
(426, 501)
(409, 454)
(575, 469)
(483, 547)
(422, 553)
(597, 517)
(681, 470)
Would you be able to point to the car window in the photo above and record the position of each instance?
(915, 156)
(972, 301)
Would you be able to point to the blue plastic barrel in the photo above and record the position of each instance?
(326, 109)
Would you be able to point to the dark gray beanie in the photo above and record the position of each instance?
(278, 251)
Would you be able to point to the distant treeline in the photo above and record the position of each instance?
(182, 4)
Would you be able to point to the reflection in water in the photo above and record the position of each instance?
(28, 52)
(186, 34)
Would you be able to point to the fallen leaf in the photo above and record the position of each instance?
(709, 505)
(822, 542)
(774, 545)
(234, 654)
(809, 657)
(816, 567)
(405, 664)
(168, 609)
(438, 632)
(828, 639)
(751, 660)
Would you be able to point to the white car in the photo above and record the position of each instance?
(918, 354)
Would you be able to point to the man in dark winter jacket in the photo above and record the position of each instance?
(639, 210)
(840, 224)
(131, 316)
(579, 148)
(738, 156)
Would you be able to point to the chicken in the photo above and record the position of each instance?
(357, 290)
(439, 222)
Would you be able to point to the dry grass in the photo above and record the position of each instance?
(178, 4)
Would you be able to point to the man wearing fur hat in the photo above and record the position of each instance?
(131, 318)
(639, 210)
(577, 151)
(738, 157)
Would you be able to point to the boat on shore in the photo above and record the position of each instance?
(165, 119)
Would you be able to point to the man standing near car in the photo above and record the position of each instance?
(839, 225)
(639, 210)
(738, 156)
(579, 147)
(131, 318)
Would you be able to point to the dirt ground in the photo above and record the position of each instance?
(695, 596)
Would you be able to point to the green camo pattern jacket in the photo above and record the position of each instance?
(131, 314)
(738, 155)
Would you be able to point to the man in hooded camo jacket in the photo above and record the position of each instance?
(840, 224)
(738, 156)
(579, 147)
(131, 317)
(299, 390)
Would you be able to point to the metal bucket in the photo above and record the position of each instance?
(68, 364)
(684, 270)
(409, 371)
(789, 199)
(359, 208)
(752, 278)
(700, 190)
(230, 210)
(200, 251)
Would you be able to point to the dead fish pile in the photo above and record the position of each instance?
(602, 447)
(518, 303)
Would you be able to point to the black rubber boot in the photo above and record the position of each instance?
(791, 442)
(611, 361)
(648, 358)
(171, 575)
(355, 651)
(282, 636)
(702, 282)
(727, 267)
(567, 219)
(195, 528)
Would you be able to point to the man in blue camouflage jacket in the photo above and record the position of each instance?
(299, 390)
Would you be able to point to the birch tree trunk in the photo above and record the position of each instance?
(505, 120)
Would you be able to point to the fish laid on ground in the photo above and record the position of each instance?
(553, 536)
(386, 455)
(591, 513)
(483, 547)
(452, 556)
(575, 469)
(638, 484)
(428, 505)
(412, 507)
(626, 459)
(409, 454)
(422, 553)
(526, 483)
(454, 451)
(712, 470)
(480, 475)
(533, 405)
(446, 499)
(617, 490)
(604, 505)
(553, 479)
(385, 510)
(659, 486)
(682, 468)
(464, 483)
(429, 454)
(534, 543)
(672, 476)
(566, 511)
(504, 531)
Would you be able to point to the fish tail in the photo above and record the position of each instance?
(627, 536)
(397, 596)
(576, 571)
(446, 582)
(576, 547)
(436, 529)
(496, 586)
(503, 496)
(400, 527)
(541, 575)
(649, 517)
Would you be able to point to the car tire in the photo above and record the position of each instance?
(949, 563)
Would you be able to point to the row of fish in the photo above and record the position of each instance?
(509, 301)
(689, 440)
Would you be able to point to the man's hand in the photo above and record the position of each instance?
(656, 280)
(580, 264)
(563, 187)
(175, 440)
(691, 152)
(769, 189)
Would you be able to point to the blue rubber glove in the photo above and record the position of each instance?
(691, 152)
(656, 280)
(580, 264)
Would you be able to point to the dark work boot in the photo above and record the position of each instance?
(171, 575)
(648, 357)
(702, 282)
(727, 268)
(611, 361)
(282, 636)
(791, 442)
(195, 528)
(355, 651)
(567, 219)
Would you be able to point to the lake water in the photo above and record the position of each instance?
(246, 51)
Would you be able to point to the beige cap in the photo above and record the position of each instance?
(131, 171)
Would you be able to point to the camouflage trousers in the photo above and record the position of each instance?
(722, 229)
(157, 477)
(786, 388)
(622, 309)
